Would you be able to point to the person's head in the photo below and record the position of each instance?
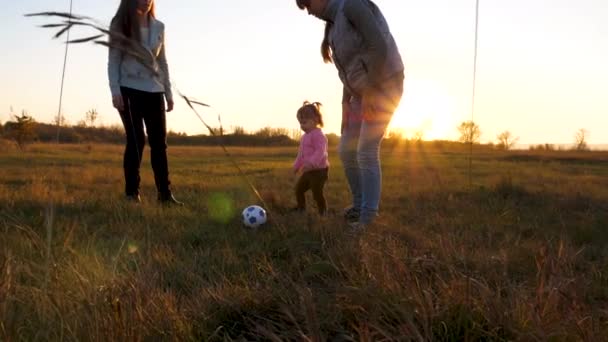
(125, 19)
(316, 8)
(309, 116)
(145, 7)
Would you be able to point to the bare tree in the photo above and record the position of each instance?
(296, 134)
(238, 130)
(580, 140)
(280, 132)
(469, 132)
(91, 116)
(10, 115)
(506, 140)
(59, 120)
(396, 133)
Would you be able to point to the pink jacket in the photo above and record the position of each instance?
(312, 151)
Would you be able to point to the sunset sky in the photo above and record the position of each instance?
(542, 65)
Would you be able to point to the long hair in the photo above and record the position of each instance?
(125, 21)
(325, 48)
(311, 111)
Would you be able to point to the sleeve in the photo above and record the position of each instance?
(164, 67)
(362, 17)
(320, 152)
(115, 57)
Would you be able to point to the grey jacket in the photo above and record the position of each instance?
(363, 48)
(125, 71)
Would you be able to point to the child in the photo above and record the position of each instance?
(312, 157)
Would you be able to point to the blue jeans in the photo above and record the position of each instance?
(360, 148)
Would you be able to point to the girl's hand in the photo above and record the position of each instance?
(169, 105)
(295, 173)
(118, 103)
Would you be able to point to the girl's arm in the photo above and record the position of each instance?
(164, 67)
(114, 61)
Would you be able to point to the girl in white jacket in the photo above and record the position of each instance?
(140, 87)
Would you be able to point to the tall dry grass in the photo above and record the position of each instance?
(519, 256)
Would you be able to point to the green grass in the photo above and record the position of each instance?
(519, 254)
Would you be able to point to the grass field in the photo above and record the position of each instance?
(518, 253)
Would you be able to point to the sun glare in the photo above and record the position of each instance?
(425, 109)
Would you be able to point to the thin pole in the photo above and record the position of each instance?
(473, 92)
(65, 59)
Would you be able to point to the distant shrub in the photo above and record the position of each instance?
(22, 130)
(543, 147)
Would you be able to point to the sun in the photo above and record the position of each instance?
(425, 108)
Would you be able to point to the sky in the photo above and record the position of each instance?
(542, 70)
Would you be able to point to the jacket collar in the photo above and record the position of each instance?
(154, 24)
(156, 27)
(331, 10)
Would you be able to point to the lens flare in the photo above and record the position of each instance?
(220, 207)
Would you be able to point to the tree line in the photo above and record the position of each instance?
(24, 129)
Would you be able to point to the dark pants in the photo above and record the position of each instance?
(315, 180)
(149, 108)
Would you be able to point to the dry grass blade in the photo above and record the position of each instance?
(190, 102)
(84, 40)
(56, 14)
(51, 25)
(200, 103)
(115, 41)
(31, 234)
(63, 30)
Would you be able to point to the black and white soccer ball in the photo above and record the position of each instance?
(254, 216)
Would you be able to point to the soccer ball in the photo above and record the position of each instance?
(254, 216)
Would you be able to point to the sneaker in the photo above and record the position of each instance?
(351, 214)
(133, 198)
(167, 199)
